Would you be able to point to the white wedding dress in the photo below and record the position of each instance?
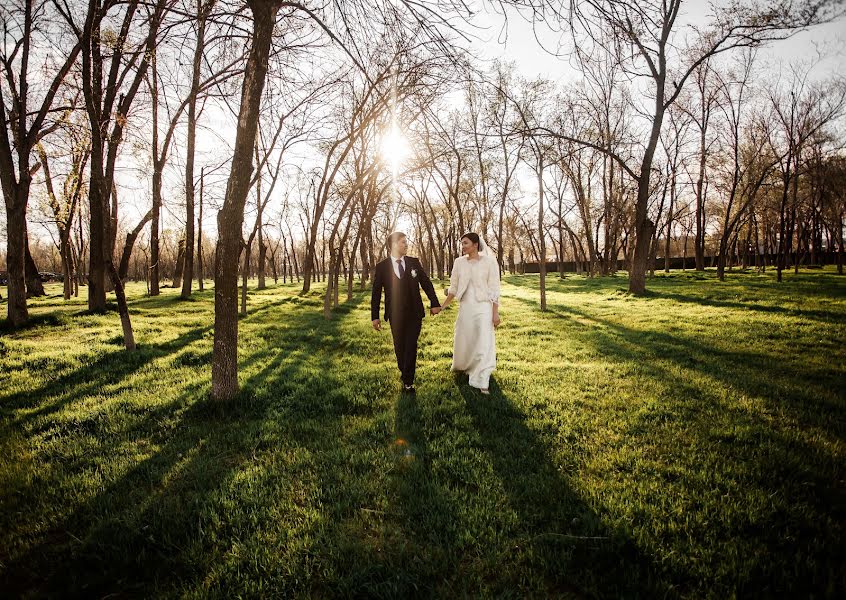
(475, 284)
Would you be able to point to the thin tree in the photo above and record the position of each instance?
(25, 126)
(204, 7)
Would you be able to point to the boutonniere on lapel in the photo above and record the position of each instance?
(414, 273)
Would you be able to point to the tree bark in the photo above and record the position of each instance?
(231, 216)
(17, 312)
(200, 273)
(541, 233)
(179, 268)
(670, 222)
(245, 275)
(96, 238)
(34, 285)
(188, 279)
(123, 269)
(262, 255)
(123, 308)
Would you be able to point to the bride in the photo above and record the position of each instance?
(475, 283)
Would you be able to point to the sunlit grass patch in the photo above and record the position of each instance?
(688, 443)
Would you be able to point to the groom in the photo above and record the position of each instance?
(401, 276)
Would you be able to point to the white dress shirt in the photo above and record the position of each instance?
(394, 260)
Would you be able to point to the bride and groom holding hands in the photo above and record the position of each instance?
(474, 282)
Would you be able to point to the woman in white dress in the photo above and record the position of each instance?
(475, 283)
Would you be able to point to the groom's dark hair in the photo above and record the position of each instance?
(393, 238)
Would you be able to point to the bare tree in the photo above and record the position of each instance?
(71, 191)
(231, 215)
(203, 9)
(648, 42)
(174, 99)
(749, 164)
(673, 150)
(26, 124)
(108, 104)
(801, 109)
(534, 115)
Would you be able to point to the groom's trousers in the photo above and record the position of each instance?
(405, 333)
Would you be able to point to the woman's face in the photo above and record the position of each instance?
(467, 246)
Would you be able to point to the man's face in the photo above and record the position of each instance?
(400, 247)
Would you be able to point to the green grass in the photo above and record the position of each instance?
(689, 443)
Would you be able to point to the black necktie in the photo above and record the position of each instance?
(401, 268)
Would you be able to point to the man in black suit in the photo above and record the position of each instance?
(401, 277)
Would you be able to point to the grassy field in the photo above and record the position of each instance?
(689, 444)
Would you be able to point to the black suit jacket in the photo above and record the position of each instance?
(402, 296)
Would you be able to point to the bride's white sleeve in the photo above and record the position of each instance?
(493, 280)
(454, 280)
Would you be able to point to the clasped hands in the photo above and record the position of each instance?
(377, 324)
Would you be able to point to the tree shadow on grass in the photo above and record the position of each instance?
(113, 366)
(425, 549)
(108, 369)
(573, 284)
(52, 319)
(204, 501)
(811, 396)
(824, 316)
(558, 545)
(775, 440)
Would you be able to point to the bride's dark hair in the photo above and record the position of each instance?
(474, 238)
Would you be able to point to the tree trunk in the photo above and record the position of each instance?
(231, 216)
(180, 265)
(294, 262)
(699, 240)
(365, 255)
(97, 238)
(188, 279)
(721, 258)
(782, 216)
(323, 267)
(541, 234)
(643, 241)
(123, 269)
(262, 257)
(795, 200)
(17, 313)
(67, 265)
(245, 276)
(158, 166)
(123, 308)
(155, 272)
(670, 222)
(308, 261)
(200, 273)
(34, 285)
